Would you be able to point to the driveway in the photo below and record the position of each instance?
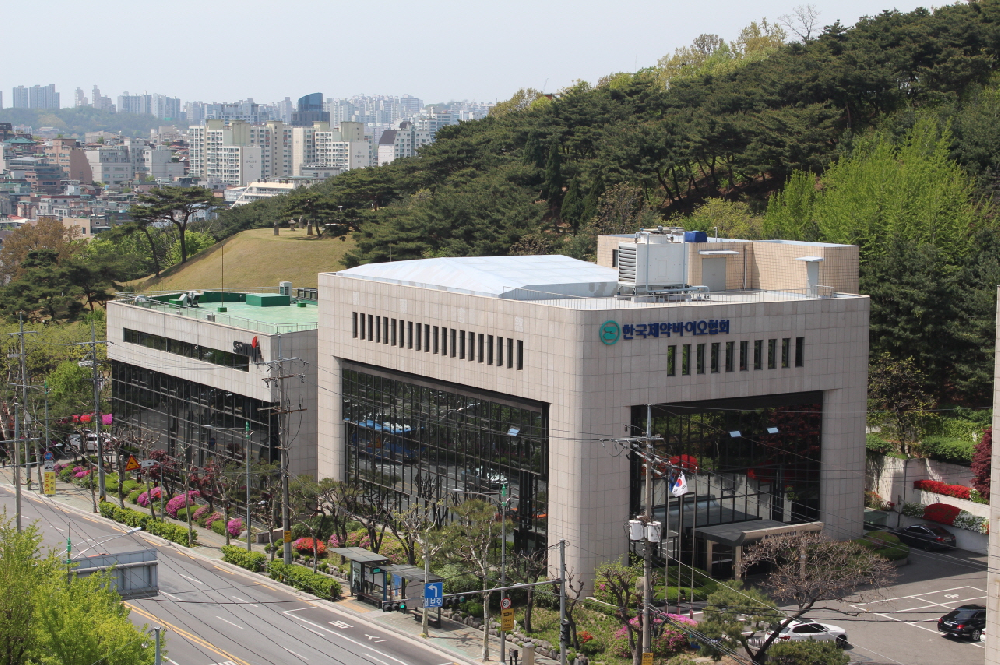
(900, 625)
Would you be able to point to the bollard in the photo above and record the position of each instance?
(528, 657)
(275, 228)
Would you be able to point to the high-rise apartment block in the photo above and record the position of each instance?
(101, 102)
(36, 97)
(140, 104)
(80, 99)
(166, 108)
(276, 150)
(402, 142)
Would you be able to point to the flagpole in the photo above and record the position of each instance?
(681, 484)
(666, 550)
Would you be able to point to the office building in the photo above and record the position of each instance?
(468, 374)
(310, 110)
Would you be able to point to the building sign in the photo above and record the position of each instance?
(644, 330)
(252, 350)
(610, 332)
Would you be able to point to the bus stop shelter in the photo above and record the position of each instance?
(411, 577)
(368, 575)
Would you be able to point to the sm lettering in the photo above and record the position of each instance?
(252, 350)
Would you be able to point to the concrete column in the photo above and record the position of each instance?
(993, 577)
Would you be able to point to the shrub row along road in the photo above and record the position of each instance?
(216, 616)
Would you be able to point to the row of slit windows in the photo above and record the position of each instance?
(460, 344)
(714, 358)
(186, 349)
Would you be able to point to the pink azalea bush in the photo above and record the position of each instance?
(212, 518)
(198, 514)
(181, 501)
(334, 541)
(80, 472)
(670, 642)
(143, 499)
(235, 527)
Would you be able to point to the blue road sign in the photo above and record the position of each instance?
(433, 594)
(48, 456)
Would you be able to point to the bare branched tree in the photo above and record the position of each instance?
(803, 22)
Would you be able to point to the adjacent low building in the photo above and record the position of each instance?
(191, 378)
(451, 377)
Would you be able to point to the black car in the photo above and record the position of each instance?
(927, 536)
(966, 621)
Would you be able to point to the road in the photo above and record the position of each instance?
(214, 616)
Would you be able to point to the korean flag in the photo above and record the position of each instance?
(679, 486)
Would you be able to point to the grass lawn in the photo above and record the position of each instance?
(255, 258)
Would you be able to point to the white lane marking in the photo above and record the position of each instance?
(197, 581)
(244, 600)
(170, 595)
(294, 654)
(340, 624)
(227, 621)
(345, 637)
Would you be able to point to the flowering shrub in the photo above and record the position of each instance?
(199, 513)
(957, 491)
(305, 546)
(969, 522)
(358, 538)
(213, 518)
(584, 636)
(235, 527)
(80, 472)
(671, 641)
(941, 513)
(143, 500)
(181, 501)
(912, 509)
(334, 541)
(876, 502)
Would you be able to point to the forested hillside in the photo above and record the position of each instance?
(885, 135)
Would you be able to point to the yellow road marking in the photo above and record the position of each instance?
(188, 636)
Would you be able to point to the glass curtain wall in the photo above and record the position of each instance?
(191, 421)
(743, 459)
(436, 445)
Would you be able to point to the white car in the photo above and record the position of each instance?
(799, 631)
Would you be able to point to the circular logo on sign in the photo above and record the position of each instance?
(610, 332)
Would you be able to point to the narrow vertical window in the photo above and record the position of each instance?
(371, 327)
(716, 346)
(520, 354)
(510, 353)
(420, 338)
(800, 343)
(436, 345)
(614, 258)
(454, 337)
(444, 341)
(686, 360)
(730, 356)
(402, 333)
(378, 329)
(489, 349)
(480, 349)
(393, 329)
(671, 360)
(385, 329)
(461, 344)
(354, 325)
(409, 334)
(472, 346)
(744, 356)
(772, 354)
(758, 354)
(499, 351)
(427, 338)
(786, 351)
(700, 358)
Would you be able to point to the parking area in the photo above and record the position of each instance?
(900, 624)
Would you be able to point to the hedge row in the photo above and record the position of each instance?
(957, 491)
(173, 532)
(252, 561)
(305, 580)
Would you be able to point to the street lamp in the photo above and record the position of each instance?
(504, 500)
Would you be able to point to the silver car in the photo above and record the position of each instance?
(801, 631)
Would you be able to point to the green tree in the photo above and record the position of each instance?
(195, 241)
(21, 576)
(175, 205)
(897, 401)
(44, 291)
(734, 615)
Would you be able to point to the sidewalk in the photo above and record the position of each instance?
(464, 641)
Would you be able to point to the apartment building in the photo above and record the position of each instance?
(70, 157)
(36, 97)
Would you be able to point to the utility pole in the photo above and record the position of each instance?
(562, 602)
(644, 447)
(503, 565)
(647, 553)
(157, 660)
(17, 463)
(97, 406)
(246, 453)
(282, 412)
(24, 398)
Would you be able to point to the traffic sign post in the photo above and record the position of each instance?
(133, 463)
(434, 594)
(505, 604)
(507, 620)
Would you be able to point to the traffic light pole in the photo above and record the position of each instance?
(563, 624)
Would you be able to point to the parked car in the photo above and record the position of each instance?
(927, 536)
(804, 630)
(967, 621)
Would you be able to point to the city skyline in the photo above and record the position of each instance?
(454, 59)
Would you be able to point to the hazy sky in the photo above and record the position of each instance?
(438, 50)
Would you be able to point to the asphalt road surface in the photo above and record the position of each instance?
(213, 616)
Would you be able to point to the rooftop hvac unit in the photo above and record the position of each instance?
(656, 259)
